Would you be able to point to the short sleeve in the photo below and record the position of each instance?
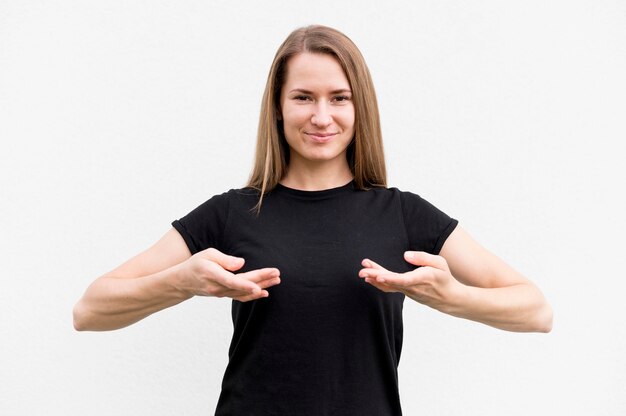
(427, 227)
(204, 226)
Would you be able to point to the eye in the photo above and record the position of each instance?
(341, 98)
(301, 98)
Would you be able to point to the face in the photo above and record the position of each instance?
(317, 110)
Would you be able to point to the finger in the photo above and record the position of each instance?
(233, 281)
(259, 275)
(245, 296)
(231, 263)
(375, 274)
(380, 286)
(421, 276)
(248, 298)
(371, 269)
(264, 284)
(370, 264)
(421, 258)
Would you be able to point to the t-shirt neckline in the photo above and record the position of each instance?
(322, 193)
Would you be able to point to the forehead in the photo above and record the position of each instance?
(315, 69)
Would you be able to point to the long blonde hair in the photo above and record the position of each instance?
(365, 153)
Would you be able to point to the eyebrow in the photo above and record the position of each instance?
(303, 91)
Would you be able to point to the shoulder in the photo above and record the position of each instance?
(411, 201)
(218, 205)
(398, 195)
(204, 226)
(417, 209)
(232, 196)
(410, 204)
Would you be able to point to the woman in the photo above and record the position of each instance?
(330, 253)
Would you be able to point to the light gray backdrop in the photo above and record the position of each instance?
(117, 117)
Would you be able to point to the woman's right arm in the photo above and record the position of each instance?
(163, 276)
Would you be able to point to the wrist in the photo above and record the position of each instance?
(459, 299)
(176, 279)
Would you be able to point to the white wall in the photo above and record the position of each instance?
(117, 117)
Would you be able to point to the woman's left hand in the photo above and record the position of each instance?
(431, 284)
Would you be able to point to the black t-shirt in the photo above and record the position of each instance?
(324, 342)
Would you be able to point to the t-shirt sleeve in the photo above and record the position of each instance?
(204, 226)
(427, 227)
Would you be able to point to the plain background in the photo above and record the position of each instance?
(117, 117)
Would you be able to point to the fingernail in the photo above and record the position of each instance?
(408, 254)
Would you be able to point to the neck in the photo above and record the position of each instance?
(309, 176)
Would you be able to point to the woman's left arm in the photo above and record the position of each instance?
(467, 281)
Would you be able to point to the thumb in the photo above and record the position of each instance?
(422, 258)
(228, 262)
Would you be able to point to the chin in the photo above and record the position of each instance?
(322, 156)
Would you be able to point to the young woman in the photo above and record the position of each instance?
(317, 253)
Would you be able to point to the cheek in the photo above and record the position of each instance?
(293, 117)
(347, 118)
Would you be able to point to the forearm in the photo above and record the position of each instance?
(519, 308)
(112, 303)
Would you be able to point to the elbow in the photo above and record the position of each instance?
(544, 319)
(79, 317)
(86, 319)
(548, 322)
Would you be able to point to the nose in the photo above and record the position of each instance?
(321, 116)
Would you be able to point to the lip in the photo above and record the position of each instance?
(320, 137)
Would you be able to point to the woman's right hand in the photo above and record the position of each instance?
(210, 273)
(163, 276)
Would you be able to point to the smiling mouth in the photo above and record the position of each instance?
(320, 137)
